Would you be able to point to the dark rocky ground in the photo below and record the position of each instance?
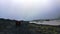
(10, 27)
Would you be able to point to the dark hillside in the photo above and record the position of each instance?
(24, 27)
(11, 27)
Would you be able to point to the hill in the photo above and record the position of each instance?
(8, 26)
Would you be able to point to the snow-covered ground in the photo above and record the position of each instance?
(53, 22)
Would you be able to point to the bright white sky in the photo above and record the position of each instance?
(29, 9)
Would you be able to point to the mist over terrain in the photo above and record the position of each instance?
(29, 9)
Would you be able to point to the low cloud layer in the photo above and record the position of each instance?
(29, 9)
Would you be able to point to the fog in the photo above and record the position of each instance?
(29, 9)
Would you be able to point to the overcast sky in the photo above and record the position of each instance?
(29, 9)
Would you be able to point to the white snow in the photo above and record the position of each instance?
(53, 22)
